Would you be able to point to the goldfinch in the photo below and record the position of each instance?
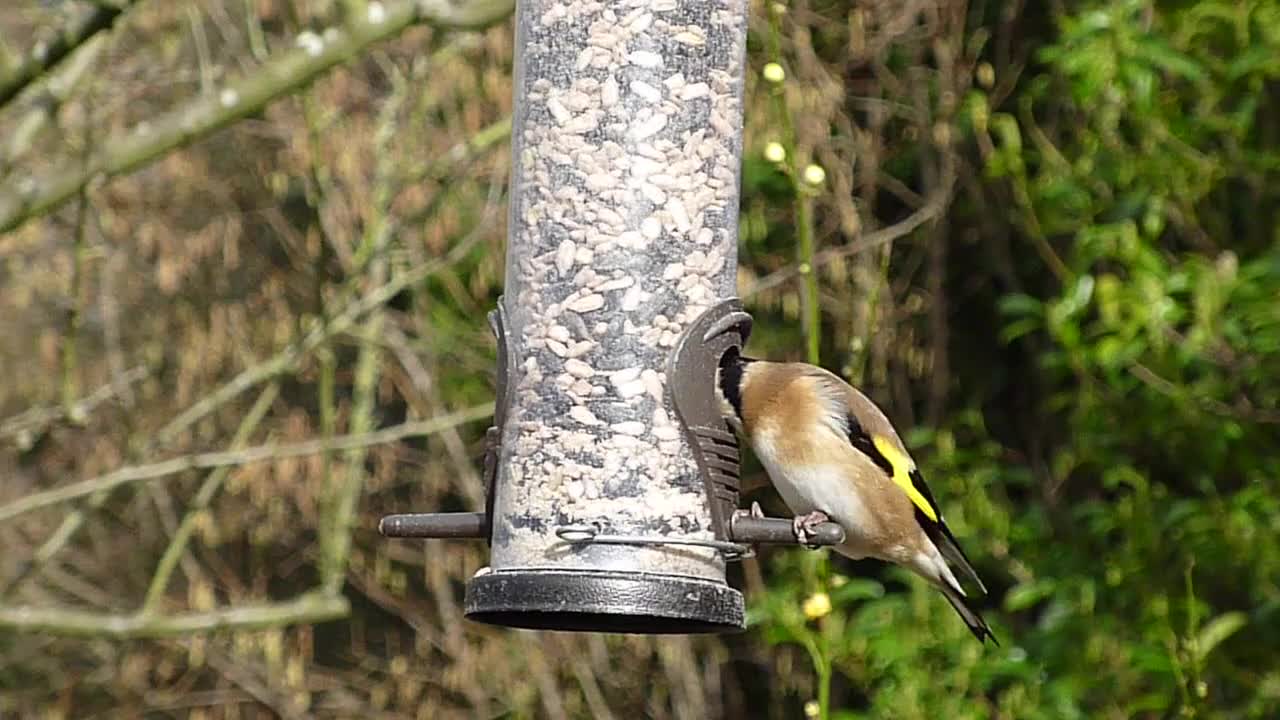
(833, 455)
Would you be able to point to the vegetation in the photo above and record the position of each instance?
(248, 248)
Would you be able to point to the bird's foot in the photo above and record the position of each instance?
(803, 526)
(756, 510)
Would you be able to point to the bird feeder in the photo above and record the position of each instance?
(612, 498)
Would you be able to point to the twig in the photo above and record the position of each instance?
(33, 420)
(287, 358)
(206, 114)
(591, 692)
(69, 357)
(1213, 405)
(162, 700)
(308, 608)
(548, 686)
(468, 481)
(44, 107)
(49, 52)
(110, 308)
(481, 141)
(201, 42)
(258, 453)
(811, 313)
(251, 377)
(929, 211)
(253, 28)
(344, 498)
(210, 487)
(682, 677)
(236, 671)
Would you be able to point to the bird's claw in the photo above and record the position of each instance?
(804, 525)
(756, 510)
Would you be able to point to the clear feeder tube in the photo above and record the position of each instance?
(627, 141)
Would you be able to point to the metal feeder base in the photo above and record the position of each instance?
(599, 601)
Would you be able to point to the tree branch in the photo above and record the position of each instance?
(259, 453)
(212, 484)
(36, 419)
(1244, 410)
(282, 362)
(311, 607)
(285, 359)
(206, 114)
(49, 52)
(938, 202)
(343, 497)
(44, 106)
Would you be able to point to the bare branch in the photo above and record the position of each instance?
(309, 608)
(50, 51)
(285, 359)
(36, 419)
(1243, 410)
(343, 497)
(44, 107)
(931, 210)
(259, 453)
(238, 672)
(206, 114)
(251, 377)
(210, 487)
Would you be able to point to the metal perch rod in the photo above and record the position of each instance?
(746, 529)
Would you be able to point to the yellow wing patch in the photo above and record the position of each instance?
(902, 467)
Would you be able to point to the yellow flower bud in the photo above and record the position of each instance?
(774, 152)
(986, 75)
(817, 605)
(812, 710)
(815, 175)
(774, 73)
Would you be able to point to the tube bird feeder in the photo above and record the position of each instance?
(612, 499)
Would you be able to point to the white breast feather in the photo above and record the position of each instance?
(809, 487)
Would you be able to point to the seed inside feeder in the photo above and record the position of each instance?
(624, 230)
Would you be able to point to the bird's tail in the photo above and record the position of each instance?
(971, 617)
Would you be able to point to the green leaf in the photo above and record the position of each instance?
(1217, 630)
(1027, 594)
(1021, 304)
(1006, 129)
(856, 589)
(1015, 330)
(1252, 60)
(1162, 55)
(1081, 294)
(1154, 702)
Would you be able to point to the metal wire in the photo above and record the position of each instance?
(591, 535)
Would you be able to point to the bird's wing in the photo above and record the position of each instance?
(870, 432)
(888, 454)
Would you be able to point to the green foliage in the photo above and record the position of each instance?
(1129, 537)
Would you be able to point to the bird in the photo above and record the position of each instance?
(833, 455)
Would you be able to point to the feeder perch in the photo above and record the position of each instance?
(612, 479)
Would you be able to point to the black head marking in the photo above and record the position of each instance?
(732, 364)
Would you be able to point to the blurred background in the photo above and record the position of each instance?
(246, 249)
